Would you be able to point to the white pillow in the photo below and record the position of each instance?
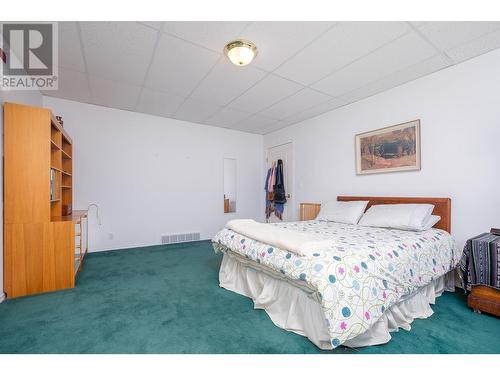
(398, 216)
(342, 212)
(433, 220)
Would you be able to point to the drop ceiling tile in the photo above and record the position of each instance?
(226, 82)
(213, 35)
(277, 41)
(292, 105)
(227, 117)
(179, 66)
(269, 128)
(72, 85)
(196, 111)
(475, 47)
(410, 73)
(265, 93)
(417, 23)
(446, 35)
(405, 51)
(153, 24)
(315, 111)
(254, 122)
(120, 51)
(159, 103)
(344, 43)
(70, 51)
(113, 94)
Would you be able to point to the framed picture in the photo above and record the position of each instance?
(392, 149)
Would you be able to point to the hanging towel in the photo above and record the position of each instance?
(272, 180)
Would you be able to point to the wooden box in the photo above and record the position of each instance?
(66, 209)
(484, 298)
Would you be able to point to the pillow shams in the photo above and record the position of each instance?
(433, 220)
(398, 216)
(342, 212)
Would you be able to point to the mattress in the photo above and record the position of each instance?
(363, 273)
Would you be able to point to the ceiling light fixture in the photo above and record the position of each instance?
(241, 52)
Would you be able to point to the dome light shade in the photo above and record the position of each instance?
(240, 52)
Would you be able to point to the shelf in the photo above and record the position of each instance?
(65, 154)
(54, 145)
(60, 170)
(38, 171)
(76, 215)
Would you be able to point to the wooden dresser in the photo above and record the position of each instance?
(43, 250)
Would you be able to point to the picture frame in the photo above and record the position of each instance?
(395, 148)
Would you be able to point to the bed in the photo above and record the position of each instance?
(367, 283)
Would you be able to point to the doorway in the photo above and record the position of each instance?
(283, 152)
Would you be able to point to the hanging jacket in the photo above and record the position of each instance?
(269, 203)
(279, 186)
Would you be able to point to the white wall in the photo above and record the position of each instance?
(24, 97)
(152, 176)
(459, 109)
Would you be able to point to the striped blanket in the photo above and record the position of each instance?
(480, 263)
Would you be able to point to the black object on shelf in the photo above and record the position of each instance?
(495, 231)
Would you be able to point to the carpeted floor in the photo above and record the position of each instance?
(166, 299)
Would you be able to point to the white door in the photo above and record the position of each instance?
(283, 152)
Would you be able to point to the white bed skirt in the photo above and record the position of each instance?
(296, 309)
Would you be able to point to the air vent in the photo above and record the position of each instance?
(180, 237)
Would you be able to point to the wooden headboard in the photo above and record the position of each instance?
(442, 206)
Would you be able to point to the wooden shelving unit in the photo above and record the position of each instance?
(43, 250)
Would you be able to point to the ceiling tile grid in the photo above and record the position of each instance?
(254, 123)
(159, 103)
(402, 52)
(266, 92)
(195, 111)
(397, 78)
(114, 94)
(296, 103)
(303, 69)
(230, 80)
(117, 50)
(279, 41)
(178, 66)
(227, 117)
(344, 43)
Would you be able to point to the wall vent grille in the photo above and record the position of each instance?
(180, 237)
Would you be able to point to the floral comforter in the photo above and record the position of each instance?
(365, 270)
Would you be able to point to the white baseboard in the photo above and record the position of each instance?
(2, 297)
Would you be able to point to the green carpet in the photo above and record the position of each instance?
(166, 299)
